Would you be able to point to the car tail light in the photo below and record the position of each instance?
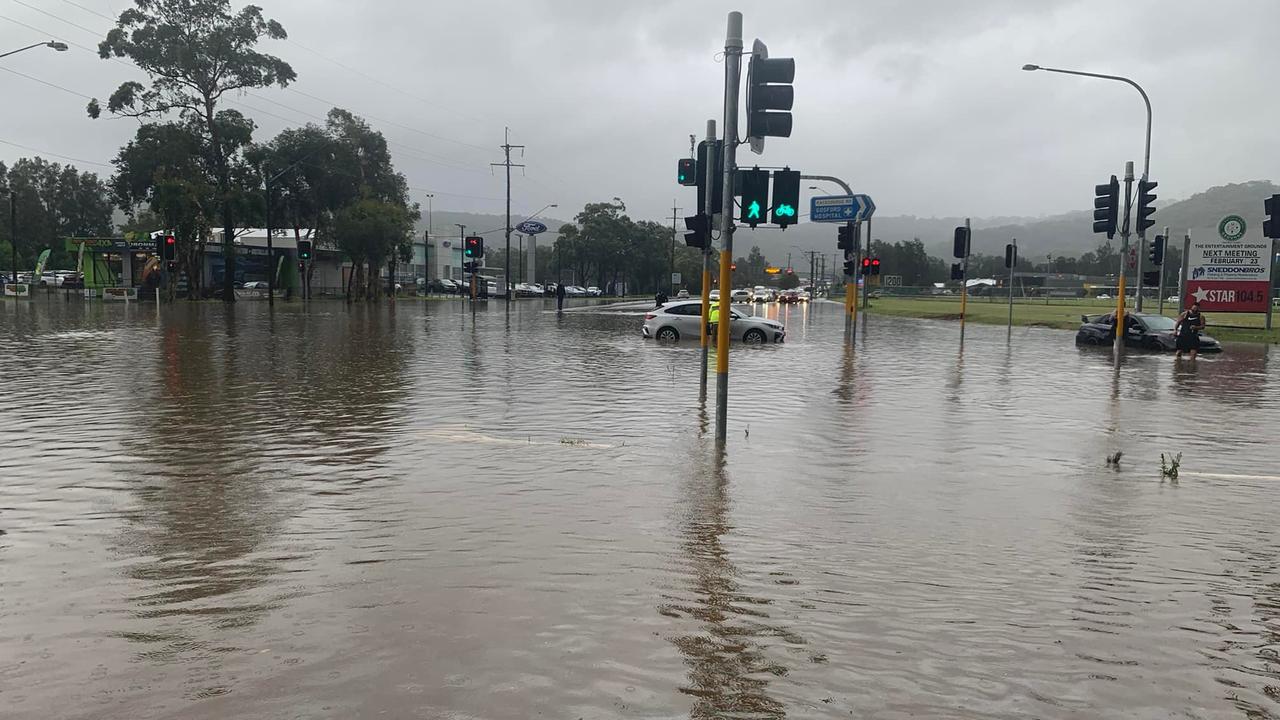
(649, 316)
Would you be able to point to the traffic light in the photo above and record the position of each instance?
(1010, 255)
(875, 266)
(1156, 252)
(1106, 207)
(1151, 278)
(733, 267)
(470, 267)
(844, 238)
(170, 248)
(687, 171)
(850, 267)
(957, 271)
(960, 246)
(769, 96)
(709, 152)
(786, 197)
(699, 234)
(473, 247)
(304, 249)
(754, 185)
(866, 266)
(1146, 207)
(1271, 225)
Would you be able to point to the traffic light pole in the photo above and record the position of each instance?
(709, 209)
(1124, 252)
(732, 79)
(1140, 265)
(1160, 287)
(964, 275)
(271, 256)
(866, 277)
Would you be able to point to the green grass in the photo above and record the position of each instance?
(1061, 313)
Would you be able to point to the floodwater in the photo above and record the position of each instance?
(418, 512)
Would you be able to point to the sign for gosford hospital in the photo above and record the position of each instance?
(1229, 272)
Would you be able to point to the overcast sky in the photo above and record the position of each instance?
(920, 104)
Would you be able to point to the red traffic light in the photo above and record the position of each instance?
(866, 262)
(875, 262)
(473, 247)
(170, 240)
(733, 267)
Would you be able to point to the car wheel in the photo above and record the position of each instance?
(754, 337)
(669, 334)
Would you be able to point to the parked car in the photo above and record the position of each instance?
(1104, 296)
(256, 285)
(684, 319)
(740, 296)
(683, 294)
(1142, 330)
(575, 290)
(594, 291)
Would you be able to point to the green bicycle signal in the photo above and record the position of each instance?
(784, 210)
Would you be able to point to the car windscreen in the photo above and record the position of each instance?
(1158, 322)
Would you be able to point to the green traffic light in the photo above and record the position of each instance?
(785, 210)
(753, 211)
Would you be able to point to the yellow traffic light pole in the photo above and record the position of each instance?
(709, 210)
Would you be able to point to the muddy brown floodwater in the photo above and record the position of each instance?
(335, 512)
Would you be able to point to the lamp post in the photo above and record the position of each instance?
(59, 46)
(426, 243)
(1146, 168)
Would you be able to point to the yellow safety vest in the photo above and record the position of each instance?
(715, 314)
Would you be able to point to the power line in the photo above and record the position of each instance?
(46, 82)
(53, 154)
(89, 10)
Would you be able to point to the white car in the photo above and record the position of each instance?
(682, 295)
(714, 295)
(594, 291)
(255, 285)
(740, 296)
(1105, 296)
(684, 319)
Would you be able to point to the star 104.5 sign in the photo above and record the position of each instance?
(1231, 272)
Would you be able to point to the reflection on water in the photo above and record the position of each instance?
(423, 511)
(729, 669)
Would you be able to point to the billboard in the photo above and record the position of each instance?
(1229, 273)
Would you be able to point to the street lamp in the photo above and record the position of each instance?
(59, 46)
(1146, 155)
(1146, 175)
(271, 269)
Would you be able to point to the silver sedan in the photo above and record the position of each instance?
(675, 320)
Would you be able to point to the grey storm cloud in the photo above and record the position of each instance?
(921, 104)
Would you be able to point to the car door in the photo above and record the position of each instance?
(687, 318)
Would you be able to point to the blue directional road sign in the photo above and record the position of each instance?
(841, 208)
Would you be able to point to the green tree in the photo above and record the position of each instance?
(52, 202)
(195, 52)
(371, 232)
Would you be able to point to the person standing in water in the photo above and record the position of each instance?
(1190, 323)
(559, 296)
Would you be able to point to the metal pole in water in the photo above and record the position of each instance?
(709, 209)
(732, 73)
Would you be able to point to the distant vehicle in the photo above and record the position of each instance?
(789, 296)
(575, 290)
(256, 285)
(447, 285)
(740, 296)
(1173, 299)
(1103, 296)
(684, 319)
(682, 294)
(1143, 330)
(594, 291)
(715, 294)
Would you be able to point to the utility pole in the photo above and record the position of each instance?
(13, 236)
(506, 148)
(709, 209)
(732, 81)
(675, 213)
(462, 275)
(1182, 271)
(1124, 254)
